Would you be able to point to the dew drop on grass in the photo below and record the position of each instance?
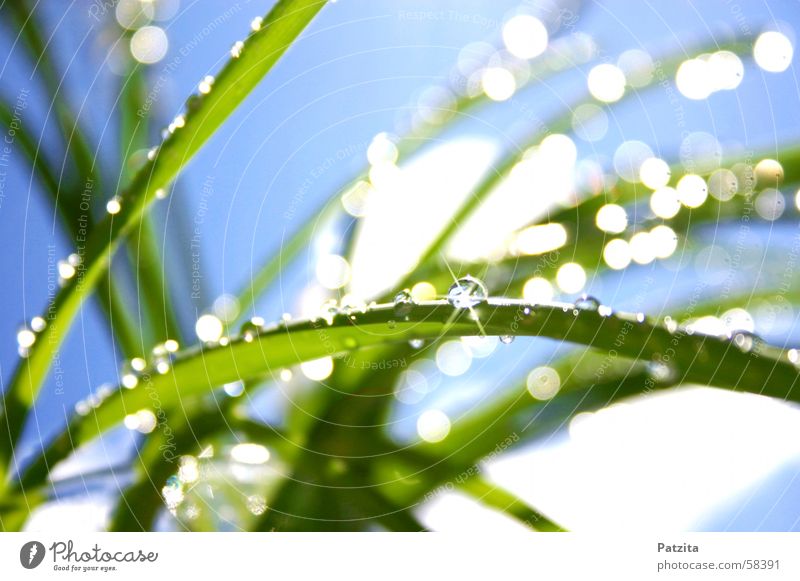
(745, 341)
(205, 85)
(670, 324)
(403, 303)
(329, 310)
(26, 338)
(660, 371)
(114, 205)
(255, 24)
(506, 339)
(234, 388)
(129, 380)
(587, 303)
(236, 49)
(256, 504)
(417, 343)
(252, 328)
(467, 292)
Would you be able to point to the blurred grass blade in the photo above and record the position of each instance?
(74, 137)
(160, 320)
(500, 171)
(205, 115)
(571, 48)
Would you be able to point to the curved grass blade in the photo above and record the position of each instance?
(261, 51)
(699, 358)
(512, 156)
(571, 50)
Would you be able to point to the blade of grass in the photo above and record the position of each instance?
(74, 137)
(143, 251)
(543, 67)
(262, 49)
(561, 124)
(701, 358)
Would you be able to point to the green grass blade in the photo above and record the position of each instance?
(698, 358)
(74, 137)
(496, 174)
(261, 51)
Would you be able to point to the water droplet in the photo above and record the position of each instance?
(794, 356)
(236, 49)
(526, 311)
(114, 205)
(587, 303)
(138, 364)
(256, 504)
(26, 338)
(189, 470)
(670, 324)
(467, 292)
(234, 389)
(417, 343)
(286, 375)
(162, 365)
(640, 317)
(161, 193)
(172, 493)
(605, 311)
(329, 310)
(82, 408)
(660, 371)
(351, 305)
(255, 24)
(129, 380)
(403, 303)
(209, 328)
(205, 85)
(745, 341)
(152, 153)
(104, 391)
(391, 323)
(506, 339)
(252, 328)
(65, 270)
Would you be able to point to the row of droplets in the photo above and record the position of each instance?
(465, 294)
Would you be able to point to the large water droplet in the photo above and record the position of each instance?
(467, 292)
(587, 303)
(403, 303)
(506, 339)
